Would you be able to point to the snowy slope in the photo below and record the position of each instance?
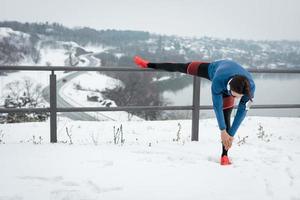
(8, 32)
(150, 165)
(92, 81)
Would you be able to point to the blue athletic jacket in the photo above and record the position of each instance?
(220, 72)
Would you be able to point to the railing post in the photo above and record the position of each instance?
(53, 108)
(196, 107)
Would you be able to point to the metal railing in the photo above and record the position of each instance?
(195, 107)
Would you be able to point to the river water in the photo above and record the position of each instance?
(270, 89)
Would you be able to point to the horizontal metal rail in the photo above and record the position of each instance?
(136, 108)
(293, 70)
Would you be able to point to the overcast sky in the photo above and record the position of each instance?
(245, 19)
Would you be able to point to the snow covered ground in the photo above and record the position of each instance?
(149, 165)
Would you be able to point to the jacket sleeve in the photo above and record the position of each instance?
(240, 116)
(216, 91)
(242, 110)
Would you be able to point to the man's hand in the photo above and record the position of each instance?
(226, 139)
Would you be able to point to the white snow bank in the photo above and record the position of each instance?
(55, 57)
(8, 32)
(150, 165)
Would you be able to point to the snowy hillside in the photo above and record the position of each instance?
(26, 49)
(15, 46)
(91, 84)
(119, 46)
(8, 32)
(150, 164)
(63, 54)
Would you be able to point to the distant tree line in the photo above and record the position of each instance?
(81, 36)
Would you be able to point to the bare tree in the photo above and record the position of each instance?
(137, 89)
(21, 94)
(14, 90)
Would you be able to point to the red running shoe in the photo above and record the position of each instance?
(225, 160)
(140, 62)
